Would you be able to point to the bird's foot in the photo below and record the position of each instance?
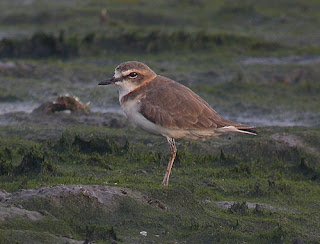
(165, 182)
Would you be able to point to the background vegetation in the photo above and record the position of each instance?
(255, 62)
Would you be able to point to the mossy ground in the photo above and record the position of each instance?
(62, 47)
(263, 169)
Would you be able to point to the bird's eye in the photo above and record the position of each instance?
(133, 75)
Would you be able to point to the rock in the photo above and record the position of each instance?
(104, 194)
(17, 66)
(253, 205)
(29, 236)
(63, 103)
(8, 212)
(297, 241)
(3, 195)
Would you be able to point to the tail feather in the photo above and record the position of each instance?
(240, 129)
(230, 126)
(250, 130)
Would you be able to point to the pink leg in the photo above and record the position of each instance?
(173, 149)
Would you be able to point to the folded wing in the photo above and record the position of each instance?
(175, 106)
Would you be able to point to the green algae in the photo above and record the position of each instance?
(42, 45)
(204, 47)
(187, 207)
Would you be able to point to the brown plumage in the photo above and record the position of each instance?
(184, 108)
(163, 106)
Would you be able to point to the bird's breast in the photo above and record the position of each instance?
(131, 109)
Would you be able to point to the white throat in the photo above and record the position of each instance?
(124, 86)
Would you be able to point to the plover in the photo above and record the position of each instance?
(164, 107)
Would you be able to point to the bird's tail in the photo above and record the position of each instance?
(240, 129)
(248, 130)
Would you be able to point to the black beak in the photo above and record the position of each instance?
(107, 82)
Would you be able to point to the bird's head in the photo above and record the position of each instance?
(130, 75)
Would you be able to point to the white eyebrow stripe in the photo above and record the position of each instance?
(127, 72)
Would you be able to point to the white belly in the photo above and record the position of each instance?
(131, 109)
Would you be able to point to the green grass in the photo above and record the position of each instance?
(261, 19)
(61, 47)
(237, 93)
(244, 169)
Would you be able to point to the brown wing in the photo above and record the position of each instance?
(172, 105)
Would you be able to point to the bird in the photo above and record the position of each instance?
(162, 106)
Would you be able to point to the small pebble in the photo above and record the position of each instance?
(144, 233)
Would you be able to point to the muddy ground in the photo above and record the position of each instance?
(92, 177)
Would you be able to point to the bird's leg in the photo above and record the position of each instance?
(173, 150)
